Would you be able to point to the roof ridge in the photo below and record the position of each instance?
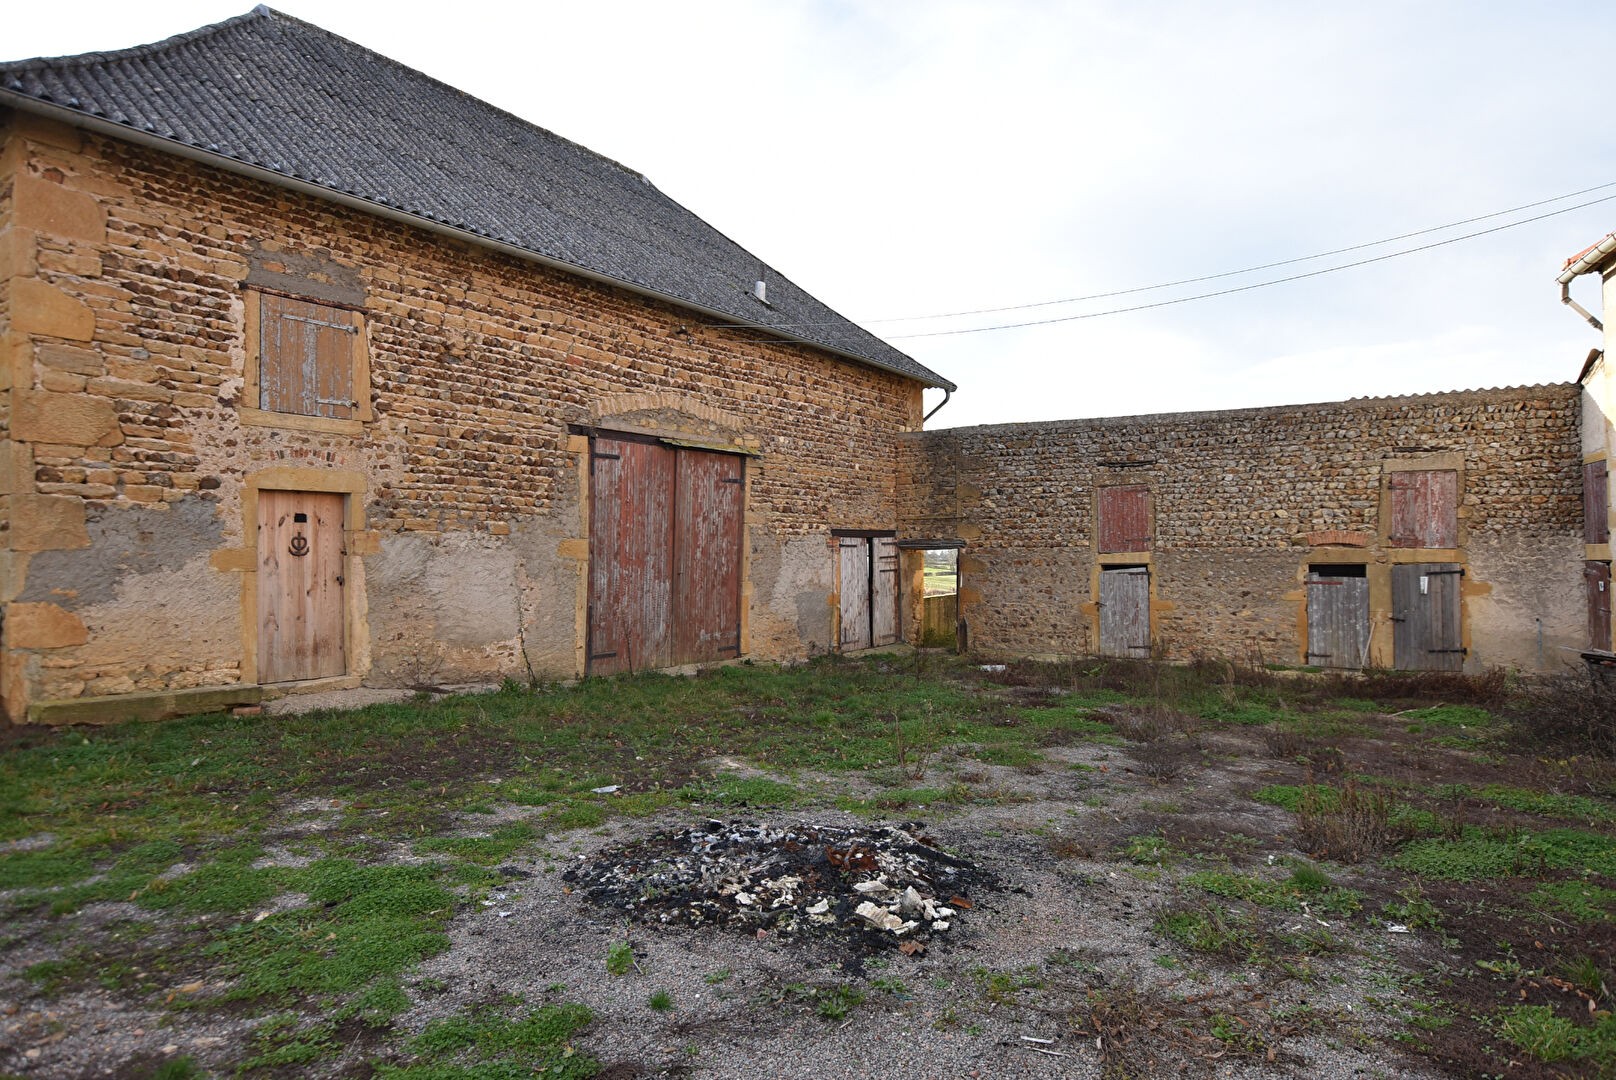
(150, 48)
(264, 11)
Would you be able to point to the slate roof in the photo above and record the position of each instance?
(267, 90)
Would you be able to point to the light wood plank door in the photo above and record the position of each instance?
(301, 560)
(855, 592)
(884, 591)
(1125, 611)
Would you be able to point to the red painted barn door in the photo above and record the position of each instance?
(665, 533)
(630, 555)
(707, 546)
(300, 582)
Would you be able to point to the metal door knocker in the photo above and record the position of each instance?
(299, 545)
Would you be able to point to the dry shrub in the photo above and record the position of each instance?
(1284, 744)
(1344, 823)
(1166, 759)
(1146, 724)
(1571, 713)
(1488, 688)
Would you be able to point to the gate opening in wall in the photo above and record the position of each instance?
(867, 584)
(665, 539)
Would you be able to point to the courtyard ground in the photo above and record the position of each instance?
(1118, 869)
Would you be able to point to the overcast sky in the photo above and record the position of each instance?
(901, 159)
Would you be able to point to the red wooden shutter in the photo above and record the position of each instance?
(1425, 509)
(1124, 514)
(1595, 503)
(305, 358)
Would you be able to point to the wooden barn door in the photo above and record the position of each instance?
(884, 590)
(1338, 617)
(665, 529)
(1597, 575)
(855, 592)
(300, 586)
(1426, 632)
(707, 556)
(1125, 611)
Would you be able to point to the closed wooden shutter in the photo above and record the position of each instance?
(1425, 509)
(1124, 518)
(1595, 503)
(306, 358)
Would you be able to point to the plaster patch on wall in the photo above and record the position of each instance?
(125, 542)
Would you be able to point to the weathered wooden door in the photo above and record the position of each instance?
(1338, 617)
(1125, 611)
(709, 492)
(664, 555)
(884, 590)
(630, 556)
(1124, 518)
(1596, 503)
(301, 559)
(1426, 632)
(1425, 509)
(854, 569)
(1597, 574)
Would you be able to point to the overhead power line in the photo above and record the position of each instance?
(1262, 284)
(1262, 266)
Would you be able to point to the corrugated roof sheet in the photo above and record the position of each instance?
(267, 90)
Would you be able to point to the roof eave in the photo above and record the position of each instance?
(1589, 261)
(154, 141)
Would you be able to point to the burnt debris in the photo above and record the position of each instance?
(880, 887)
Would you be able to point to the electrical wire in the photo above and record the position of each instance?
(1252, 269)
(1258, 284)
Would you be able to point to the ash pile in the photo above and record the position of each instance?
(880, 887)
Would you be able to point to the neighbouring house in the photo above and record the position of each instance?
(320, 373)
(1598, 384)
(1439, 531)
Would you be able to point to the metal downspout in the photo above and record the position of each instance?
(1565, 298)
(947, 393)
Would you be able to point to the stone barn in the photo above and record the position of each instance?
(320, 373)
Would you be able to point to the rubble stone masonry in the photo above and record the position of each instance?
(1244, 501)
(129, 452)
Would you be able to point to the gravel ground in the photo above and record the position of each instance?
(1070, 928)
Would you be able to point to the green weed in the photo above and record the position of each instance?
(619, 958)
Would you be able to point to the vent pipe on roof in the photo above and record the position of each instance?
(761, 290)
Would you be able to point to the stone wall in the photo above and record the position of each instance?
(133, 452)
(1244, 501)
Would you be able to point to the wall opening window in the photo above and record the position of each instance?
(1425, 509)
(1123, 515)
(307, 364)
(940, 606)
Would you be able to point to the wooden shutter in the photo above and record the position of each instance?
(1124, 518)
(1425, 509)
(1595, 503)
(306, 358)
